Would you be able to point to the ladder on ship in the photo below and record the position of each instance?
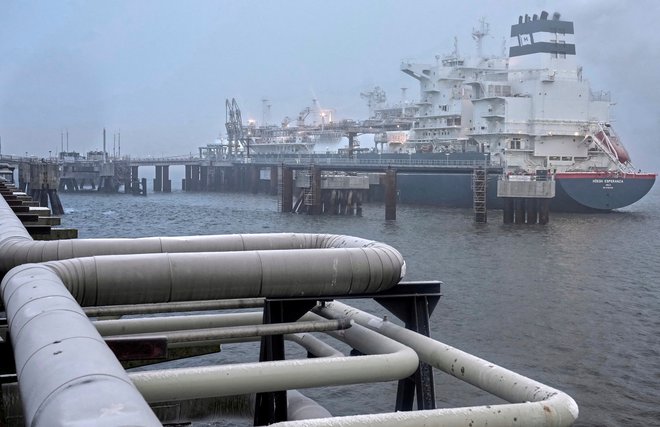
(479, 186)
(312, 193)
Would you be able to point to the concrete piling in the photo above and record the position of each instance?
(167, 182)
(519, 211)
(255, 175)
(287, 190)
(544, 211)
(203, 178)
(315, 187)
(531, 206)
(390, 194)
(508, 210)
(158, 180)
(274, 180)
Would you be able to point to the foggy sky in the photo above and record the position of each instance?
(159, 71)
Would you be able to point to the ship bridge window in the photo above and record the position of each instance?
(567, 158)
(515, 143)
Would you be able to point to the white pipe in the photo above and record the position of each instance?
(67, 374)
(393, 361)
(535, 404)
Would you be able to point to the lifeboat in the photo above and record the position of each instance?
(611, 143)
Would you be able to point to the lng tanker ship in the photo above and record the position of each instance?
(530, 112)
(526, 114)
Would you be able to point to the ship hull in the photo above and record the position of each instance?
(575, 192)
(598, 191)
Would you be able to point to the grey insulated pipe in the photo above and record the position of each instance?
(17, 247)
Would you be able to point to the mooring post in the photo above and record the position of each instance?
(287, 189)
(390, 194)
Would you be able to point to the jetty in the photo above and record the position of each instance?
(90, 309)
(304, 183)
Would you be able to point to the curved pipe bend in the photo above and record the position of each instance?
(533, 403)
(17, 246)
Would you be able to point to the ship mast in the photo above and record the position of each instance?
(479, 34)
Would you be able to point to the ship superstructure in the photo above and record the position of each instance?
(531, 110)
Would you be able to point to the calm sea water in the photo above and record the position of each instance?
(574, 304)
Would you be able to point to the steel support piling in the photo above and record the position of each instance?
(390, 194)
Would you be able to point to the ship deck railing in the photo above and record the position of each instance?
(385, 162)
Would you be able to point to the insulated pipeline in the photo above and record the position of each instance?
(61, 360)
(17, 246)
(171, 277)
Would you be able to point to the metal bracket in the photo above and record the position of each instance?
(271, 407)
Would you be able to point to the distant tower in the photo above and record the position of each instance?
(479, 34)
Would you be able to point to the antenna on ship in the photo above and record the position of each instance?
(455, 52)
(265, 112)
(479, 34)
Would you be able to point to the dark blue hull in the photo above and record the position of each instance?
(575, 192)
(579, 192)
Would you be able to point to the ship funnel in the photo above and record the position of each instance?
(556, 16)
(553, 39)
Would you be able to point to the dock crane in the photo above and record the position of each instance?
(234, 125)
